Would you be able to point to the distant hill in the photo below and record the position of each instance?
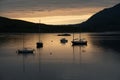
(105, 20)
(13, 25)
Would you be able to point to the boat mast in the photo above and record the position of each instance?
(73, 36)
(23, 40)
(80, 35)
(39, 30)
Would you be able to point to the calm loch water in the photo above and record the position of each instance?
(99, 60)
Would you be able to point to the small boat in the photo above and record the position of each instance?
(39, 44)
(64, 34)
(25, 51)
(63, 40)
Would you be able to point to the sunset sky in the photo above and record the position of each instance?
(53, 11)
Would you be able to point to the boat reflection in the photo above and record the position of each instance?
(81, 49)
(39, 57)
(24, 57)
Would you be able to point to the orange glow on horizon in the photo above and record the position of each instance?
(58, 20)
(55, 17)
(56, 12)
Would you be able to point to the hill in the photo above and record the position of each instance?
(13, 25)
(105, 20)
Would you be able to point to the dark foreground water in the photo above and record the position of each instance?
(99, 60)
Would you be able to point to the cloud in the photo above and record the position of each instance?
(33, 6)
(53, 4)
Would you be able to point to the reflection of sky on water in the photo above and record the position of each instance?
(56, 61)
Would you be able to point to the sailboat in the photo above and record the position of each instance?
(79, 41)
(39, 43)
(25, 50)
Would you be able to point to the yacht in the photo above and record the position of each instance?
(80, 41)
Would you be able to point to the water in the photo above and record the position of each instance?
(99, 60)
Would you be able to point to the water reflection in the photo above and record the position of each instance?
(108, 41)
(39, 56)
(24, 57)
(99, 60)
(81, 50)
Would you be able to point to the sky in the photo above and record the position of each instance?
(53, 11)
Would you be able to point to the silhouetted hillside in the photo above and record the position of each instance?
(105, 20)
(12, 25)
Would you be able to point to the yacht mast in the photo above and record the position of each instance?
(80, 35)
(39, 29)
(23, 40)
(73, 36)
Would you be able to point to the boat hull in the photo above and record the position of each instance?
(39, 45)
(79, 43)
(64, 41)
(25, 51)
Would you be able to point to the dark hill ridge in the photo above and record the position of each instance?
(13, 25)
(105, 20)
